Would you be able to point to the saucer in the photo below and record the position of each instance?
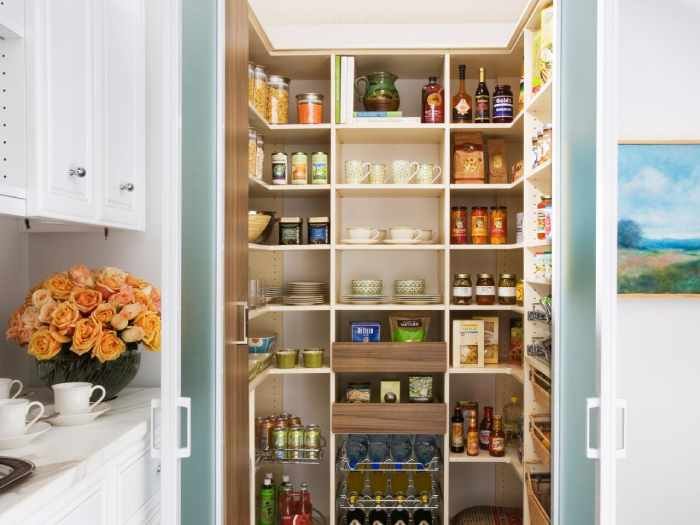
(402, 241)
(70, 420)
(360, 241)
(23, 440)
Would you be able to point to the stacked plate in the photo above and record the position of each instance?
(418, 299)
(272, 293)
(364, 299)
(304, 293)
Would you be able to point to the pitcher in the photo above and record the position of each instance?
(379, 93)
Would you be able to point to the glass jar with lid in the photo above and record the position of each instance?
(259, 156)
(251, 83)
(290, 230)
(462, 289)
(485, 289)
(260, 95)
(506, 288)
(277, 100)
(252, 151)
(310, 108)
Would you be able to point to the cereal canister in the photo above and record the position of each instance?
(319, 168)
(312, 441)
(300, 168)
(310, 108)
(279, 168)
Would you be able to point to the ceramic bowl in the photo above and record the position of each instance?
(262, 344)
(312, 357)
(409, 286)
(367, 286)
(286, 358)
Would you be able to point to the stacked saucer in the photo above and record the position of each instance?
(418, 299)
(272, 294)
(364, 299)
(304, 293)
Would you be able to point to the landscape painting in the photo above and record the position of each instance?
(659, 219)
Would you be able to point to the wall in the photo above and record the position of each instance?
(657, 356)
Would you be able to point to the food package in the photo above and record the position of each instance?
(516, 171)
(420, 389)
(535, 78)
(467, 343)
(390, 392)
(468, 158)
(409, 327)
(546, 51)
(515, 353)
(498, 168)
(491, 348)
(365, 331)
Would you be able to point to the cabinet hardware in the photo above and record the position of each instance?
(244, 339)
(77, 172)
(621, 453)
(155, 451)
(186, 451)
(591, 403)
(127, 187)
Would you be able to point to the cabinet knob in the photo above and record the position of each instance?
(127, 187)
(77, 172)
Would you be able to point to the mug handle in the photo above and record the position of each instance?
(19, 390)
(414, 169)
(375, 235)
(366, 170)
(102, 398)
(437, 170)
(361, 92)
(415, 235)
(38, 416)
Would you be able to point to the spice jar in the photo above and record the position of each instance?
(503, 104)
(319, 230)
(485, 289)
(277, 100)
(259, 156)
(458, 225)
(506, 288)
(290, 230)
(310, 108)
(252, 151)
(279, 168)
(260, 102)
(251, 84)
(462, 289)
(300, 168)
(498, 225)
(480, 225)
(547, 143)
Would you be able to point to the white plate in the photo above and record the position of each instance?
(354, 301)
(402, 241)
(69, 420)
(360, 241)
(22, 441)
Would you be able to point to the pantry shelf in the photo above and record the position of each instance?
(395, 418)
(540, 105)
(394, 247)
(540, 176)
(390, 133)
(500, 369)
(288, 247)
(535, 245)
(512, 130)
(390, 357)
(10, 30)
(488, 308)
(540, 365)
(514, 188)
(289, 133)
(390, 190)
(258, 188)
(378, 307)
(281, 308)
(485, 247)
(485, 457)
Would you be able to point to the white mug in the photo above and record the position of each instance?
(425, 234)
(404, 171)
(428, 174)
(363, 233)
(404, 233)
(377, 174)
(6, 386)
(356, 171)
(13, 416)
(74, 398)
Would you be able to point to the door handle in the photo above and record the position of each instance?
(186, 403)
(621, 453)
(591, 403)
(77, 172)
(244, 305)
(155, 403)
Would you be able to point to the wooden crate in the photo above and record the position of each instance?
(389, 418)
(541, 387)
(538, 514)
(540, 426)
(390, 357)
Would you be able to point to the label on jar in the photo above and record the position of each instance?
(462, 291)
(485, 290)
(506, 291)
(317, 234)
(279, 173)
(300, 168)
(484, 437)
(498, 444)
(290, 235)
(319, 170)
(479, 226)
(503, 106)
(473, 443)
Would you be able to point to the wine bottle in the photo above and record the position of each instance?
(457, 432)
(423, 516)
(461, 102)
(399, 516)
(482, 101)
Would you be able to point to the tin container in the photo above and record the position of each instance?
(319, 168)
(295, 442)
(290, 233)
(312, 442)
(300, 168)
(279, 440)
(279, 168)
(310, 108)
(319, 230)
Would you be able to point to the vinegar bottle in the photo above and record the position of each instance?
(457, 432)
(482, 101)
(433, 102)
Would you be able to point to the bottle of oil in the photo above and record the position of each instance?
(423, 516)
(457, 432)
(482, 101)
(472, 437)
(355, 516)
(379, 516)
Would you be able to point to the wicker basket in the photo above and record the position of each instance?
(541, 387)
(257, 224)
(540, 430)
(538, 497)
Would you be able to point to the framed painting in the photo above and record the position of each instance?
(659, 219)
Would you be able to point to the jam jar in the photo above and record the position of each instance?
(462, 289)
(480, 225)
(485, 289)
(507, 285)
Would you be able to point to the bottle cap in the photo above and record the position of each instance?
(267, 482)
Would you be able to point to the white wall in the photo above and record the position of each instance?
(658, 355)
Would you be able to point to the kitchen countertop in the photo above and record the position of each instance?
(64, 456)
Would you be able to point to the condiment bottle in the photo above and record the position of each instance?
(497, 444)
(458, 225)
(461, 102)
(485, 428)
(462, 289)
(433, 98)
(480, 225)
(485, 289)
(498, 230)
(457, 432)
(472, 438)
(482, 101)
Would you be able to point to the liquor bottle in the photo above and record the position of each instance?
(377, 482)
(485, 428)
(286, 507)
(305, 510)
(399, 515)
(433, 98)
(482, 101)
(497, 446)
(512, 420)
(267, 503)
(422, 482)
(355, 516)
(378, 516)
(472, 438)
(461, 102)
(457, 432)
(399, 483)
(423, 516)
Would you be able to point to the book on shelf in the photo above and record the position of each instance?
(347, 89)
(336, 81)
(377, 114)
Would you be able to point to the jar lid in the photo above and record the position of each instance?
(485, 276)
(319, 153)
(291, 219)
(462, 276)
(252, 132)
(277, 79)
(507, 276)
(318, 219)
(311, 97)
(258, 66)
(298, 153)
(279, 154)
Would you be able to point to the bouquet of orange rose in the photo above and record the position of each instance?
(94, 315)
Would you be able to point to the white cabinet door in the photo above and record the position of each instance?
(122, 82)
(62, 164)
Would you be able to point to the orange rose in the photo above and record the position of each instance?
(109, 280)
(43, 346)
(81, 276)
(64, 316)
(46, 311)
(103, 313)
(61, 336)
(141, 298)
(30, 318)
(133, 334)
(136, 282)
(87, 331)
(14, 325)
(40, 297)
(119, 322)
(24, 336)
(59, 285)
(85, 300)
(150, 322)
(155, 300)
(108, 346)
(124, 296)
(130, 311)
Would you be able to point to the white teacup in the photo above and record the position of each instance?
(356, 171)
(364, 233)
(425, 234)
(377, 174)
(404, 233)
(6, 387)
(428, 174)
(13, 416)
(404, 171)
(74, 398)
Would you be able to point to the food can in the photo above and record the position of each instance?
(312, 441)
(279, 168)
(295, 442)
(319, 168)
(279, 440)
(262, 433)
(300, 168)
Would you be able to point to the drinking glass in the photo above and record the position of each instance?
(378, 448)
(356, 449)
(425, 448)
(255, 293)
(401, 448)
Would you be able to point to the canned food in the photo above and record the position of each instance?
(300, 168)
(295, 442)
(279, 441)
(319, 168)
(279, 168)
(264, 442)
(312, 441)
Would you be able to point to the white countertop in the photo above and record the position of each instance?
(66, 455)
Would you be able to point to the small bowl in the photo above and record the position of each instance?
(367, 286)
(262, 344)
(409, 286)
(312, 357)
(286, 358)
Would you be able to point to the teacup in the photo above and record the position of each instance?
(6, 387)
(404, 171)
(428, 174)
(425, 234)
(364, 233)
(409, 286)
(404, 233)
(377, 174)
(13, 416)
(74, 398)
(367, 286)
(356, 171)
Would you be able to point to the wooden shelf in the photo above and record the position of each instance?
(511, 458)
(390, 133)
(485, 247)
(541, 104)
(349, 307)
(259, 188)
(289, 133)
(512, 130)
(500, 369)
(390, 190)
(288, 247)
(272, 371)
(379, 247)
(487, 308)
(488, 189)
(389, 418)
(390, 357)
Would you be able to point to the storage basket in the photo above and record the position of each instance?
(541, 387)
(540, 431)
(258, 224)
(538, 497)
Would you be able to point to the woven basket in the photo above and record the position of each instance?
(540, 428)
(256, 225)
(536, 492)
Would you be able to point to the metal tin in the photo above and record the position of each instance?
(319, 230)
(312, 441)
(279, 440)
(279, 168)
(319, 168)
(295, 421)
(300, 168)
(290, 231)
(295, 442)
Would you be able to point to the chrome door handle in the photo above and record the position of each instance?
(77, 172)
(591, 403)
(128, 186)
(244, 339)
(621, 453)
(155, 452)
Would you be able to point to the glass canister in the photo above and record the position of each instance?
(480, 225)
(260, 96)
(259, 156)
(520, 292)
(498, 225)
(319, 229)
(279, 168)
(277, 100)
(251, 83)
(252, 151)
(462, 289)
(458, 225)
(485, 289)
(310, 108)
(507, 289)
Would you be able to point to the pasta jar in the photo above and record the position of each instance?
(506, 288)
(251, 83)
(290, 230)
(319, 230)
(260, 96)
(310, 108)
(279, 168)
(277, 100)
(485, 289)
(498, 225)
(300, 168)
(252, 151)
(458, 225)
(319, 168)
(480, 225)
(259, 156)
(462, 289)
